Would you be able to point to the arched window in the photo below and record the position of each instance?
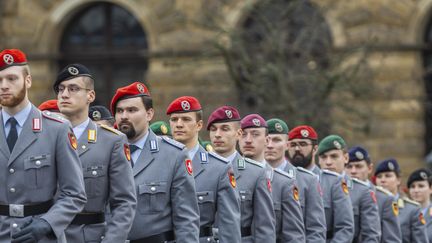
(110, 42)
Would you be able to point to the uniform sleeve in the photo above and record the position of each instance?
(369, 218)
(71, 196)
(228, 209)
(122, 195)
(315, 223)
(184, 203)
(292, 217)
(343, 218)
(390, 226)
(418, 229)
(264, 222)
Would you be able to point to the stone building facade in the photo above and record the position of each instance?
(176, 60)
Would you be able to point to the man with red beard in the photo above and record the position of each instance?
(167, 208)
(39, 161)
(337, 204)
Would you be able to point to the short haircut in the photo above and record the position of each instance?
(89, 82)
(199, 115)
(147, 101)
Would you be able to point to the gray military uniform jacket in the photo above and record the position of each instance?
(410, 217)
(257, 212)
(365, 209)
(42, 163)
(108, 179)
(311, 202)
(337, 206)
(286, 202)
(217, 197)
(165, 192)
(428, 217)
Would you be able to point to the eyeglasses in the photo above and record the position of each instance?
(301, 145)
(73, 89)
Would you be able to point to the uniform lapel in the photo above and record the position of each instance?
(196, 162)
(234, 164)
(83, 142)
(27, 136)
(146, 156)
(3, 144)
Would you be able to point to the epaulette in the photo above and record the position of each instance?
(383, 190)
(54, 117)
(411, 201)
(173, 142)
(251, 161)
(108, 128)
(305, 170)
(284, 173)
(331, 173)
(360, 182)
(217, 156)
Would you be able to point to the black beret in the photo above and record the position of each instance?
(98, 112)
(71, 71)
(357, 154)
(388, 165)
(419, 175)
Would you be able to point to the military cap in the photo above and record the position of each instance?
(388, 165)
(277, 126)
(133, 90)
(253, 121)
(303, 132)
(207, 146)
(184, 104)
(71, 71)
(358, 153)
(331, 142)
(12, 57)
(160, 128)
(99, 112)
(420, 175)
(49, 105)
(223, 114)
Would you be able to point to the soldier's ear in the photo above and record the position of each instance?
(200, 124)
(91, 96)
(28, 81)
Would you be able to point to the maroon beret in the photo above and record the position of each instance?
(252, 120)
(184, 104)
(303, 132)
(135, 89)
(12, 57)
(223, 114)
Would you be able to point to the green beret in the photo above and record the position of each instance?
(160, 128)
(207, 146)
(277, 126)
(331, 142)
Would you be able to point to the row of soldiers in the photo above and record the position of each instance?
(66, 178)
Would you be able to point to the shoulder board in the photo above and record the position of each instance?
(330, 173)
(173, 142)
(115, 131)
(360, 182)
(411, 201)
(217, 156)
(54, 117)
(383, 190)
(305, 170)
(251, 161)
(284, 173)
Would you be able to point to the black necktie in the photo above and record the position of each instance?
(13, 134)
(133, 148)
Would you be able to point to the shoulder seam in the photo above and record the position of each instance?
(214, 155)
(251, 161)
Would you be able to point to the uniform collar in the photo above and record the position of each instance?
(232, 156)
(141, 142)
(193, 151)
(283, 165)
(80, 128)
(21, 116)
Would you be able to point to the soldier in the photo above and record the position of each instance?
(104, 155)
(411, 218)
(257, 214)
(38, 150)
(302, 148)
(360, 166)
(101, 115)
(161, 128)
(308, 187)
(49, 105)
(167, 208)
(214, 178)
(420, 190)
(333, 156)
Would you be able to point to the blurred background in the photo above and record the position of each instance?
(361, 69)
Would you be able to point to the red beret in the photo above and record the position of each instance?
(12, 57)
(252, 120)
(49, 105)
(223, 114)
(303, 132)
(184, 104)
(133, 90)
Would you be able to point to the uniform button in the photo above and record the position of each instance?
(208, 239)
(94, 172)
(14, 225)
(152, 188)
(83, 147)
(102, 237)
(11, 171)
(200, 198)
(12, 189)
(38, 162)
(243, 197)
